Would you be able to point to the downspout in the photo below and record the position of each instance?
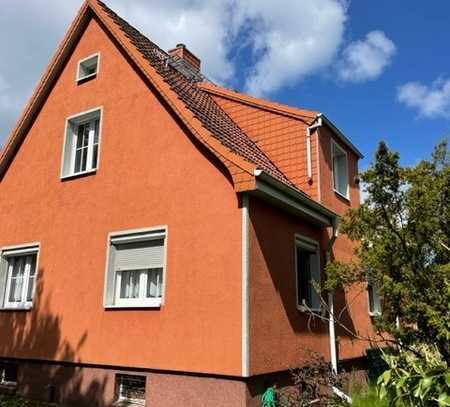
(309, 130)
(331, 325)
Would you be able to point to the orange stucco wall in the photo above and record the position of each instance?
(281, 336)
(150, 173)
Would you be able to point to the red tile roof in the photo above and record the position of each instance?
(198, 101)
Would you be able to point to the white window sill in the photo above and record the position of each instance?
(8, 384)
(78, 174)
(83, 78)
(302, 308)
(341, 195)
(375, 313)
(137, 304)
(129, 403)
(21, 307)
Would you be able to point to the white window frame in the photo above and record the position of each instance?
(5, 269)
(312, 245)
(113, 277)
(79, 78)
(70, 141)
(376, 299)
(334, 146)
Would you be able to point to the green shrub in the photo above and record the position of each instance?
(16, 401)
(416, 378)
(368, 398)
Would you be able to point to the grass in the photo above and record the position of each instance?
(367, 398)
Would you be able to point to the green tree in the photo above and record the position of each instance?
(403, 233)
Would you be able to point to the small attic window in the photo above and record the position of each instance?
(88, 67)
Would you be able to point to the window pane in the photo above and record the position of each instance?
(86, 134)
(8, 373)
(303, 276)
(83, 159)
(15, 292)
(30, 290)
(18, 266)
(340, 171)
(96, 124)
(129, 284)
(80, 133)
(374, 299)
(17, 279)
(78, 160)
(33, 264)
(154, 283)
(94, 156)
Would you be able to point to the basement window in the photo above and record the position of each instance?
(136, 268)
(130, 389)
(82, 143)
(88, 67)
(8, 374)
(307, 273)
(18, 276)
(340, 170)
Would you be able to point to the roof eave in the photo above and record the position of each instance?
(292, 200)
(339, 134)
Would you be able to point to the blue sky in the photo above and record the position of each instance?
(378, 70)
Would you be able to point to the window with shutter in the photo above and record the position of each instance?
(136, 270)
(307, 273)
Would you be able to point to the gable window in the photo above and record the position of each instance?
(88, 67)
(8, 374)
(374, 299)
(307, 273)
(18, 277)
(340, 170)
(136, 268)
(82, 143)
(130, 389)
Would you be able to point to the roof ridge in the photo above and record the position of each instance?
(270, 105)
(221, 126)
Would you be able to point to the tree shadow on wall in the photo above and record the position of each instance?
(29, 336)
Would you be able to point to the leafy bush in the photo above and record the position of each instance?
(312, 385)
(368, 398)
(416, 378)
(16, 401)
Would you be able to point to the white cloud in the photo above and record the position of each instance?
(281, 41)
(285, 46)
(291, 39)
(430, 101)
(366, 59)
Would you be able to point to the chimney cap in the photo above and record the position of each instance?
(181, 52)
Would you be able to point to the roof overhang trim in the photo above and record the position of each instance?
(339, 134)
(292, 200)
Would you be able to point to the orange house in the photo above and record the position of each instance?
(161, 236)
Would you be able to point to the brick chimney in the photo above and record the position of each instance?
(181, 52)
